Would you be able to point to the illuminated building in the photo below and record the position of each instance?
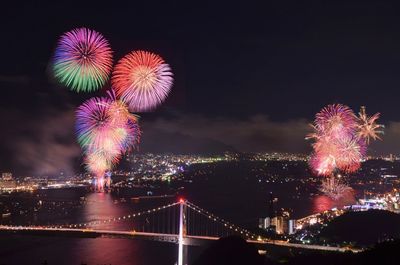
(292, 226)
(264, 223)
(7, 184)
(281, 225)
(6, 176)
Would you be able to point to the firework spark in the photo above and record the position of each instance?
(143, 80)
(82, 60)
(334, 188)
(367, 127)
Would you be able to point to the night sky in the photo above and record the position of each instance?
(247, 77)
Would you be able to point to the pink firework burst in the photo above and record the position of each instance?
(340, 144)
(105, 130)
(336, 120)
(351, 151)
(336, 146)
(322, 164)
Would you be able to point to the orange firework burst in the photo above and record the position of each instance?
(367, 126)
(142, 80)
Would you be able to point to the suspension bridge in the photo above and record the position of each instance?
(182, 223)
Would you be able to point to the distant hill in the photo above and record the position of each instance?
(386, 253)
(362, 228)
(233, 250)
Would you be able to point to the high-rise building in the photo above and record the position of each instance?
(274, 221)
(281, 225)
(264, 223)
(292, 226)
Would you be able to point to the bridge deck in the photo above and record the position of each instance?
(173, 238)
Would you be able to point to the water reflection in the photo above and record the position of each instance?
(105, 251)
(83, 208)
(102, 206)
(323, 203)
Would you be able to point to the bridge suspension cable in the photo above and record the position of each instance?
(165, 220)
(115, 219)
(174, 222)
(234, 229)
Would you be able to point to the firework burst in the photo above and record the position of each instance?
(143, 80)
(340, 144)
(92, 121)
(105, 131)
(367, 127)
(97, 164)
(336, 120)
(334, 188)
(335, 146)
(351, 152)
(82, 60)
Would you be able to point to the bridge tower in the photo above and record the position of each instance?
(182, 232)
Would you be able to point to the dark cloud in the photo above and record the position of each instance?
(189, 132)
(390, 141)
(40, 144)
(44, 143)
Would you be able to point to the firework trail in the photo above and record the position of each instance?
(143, 80)
(82, 60)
